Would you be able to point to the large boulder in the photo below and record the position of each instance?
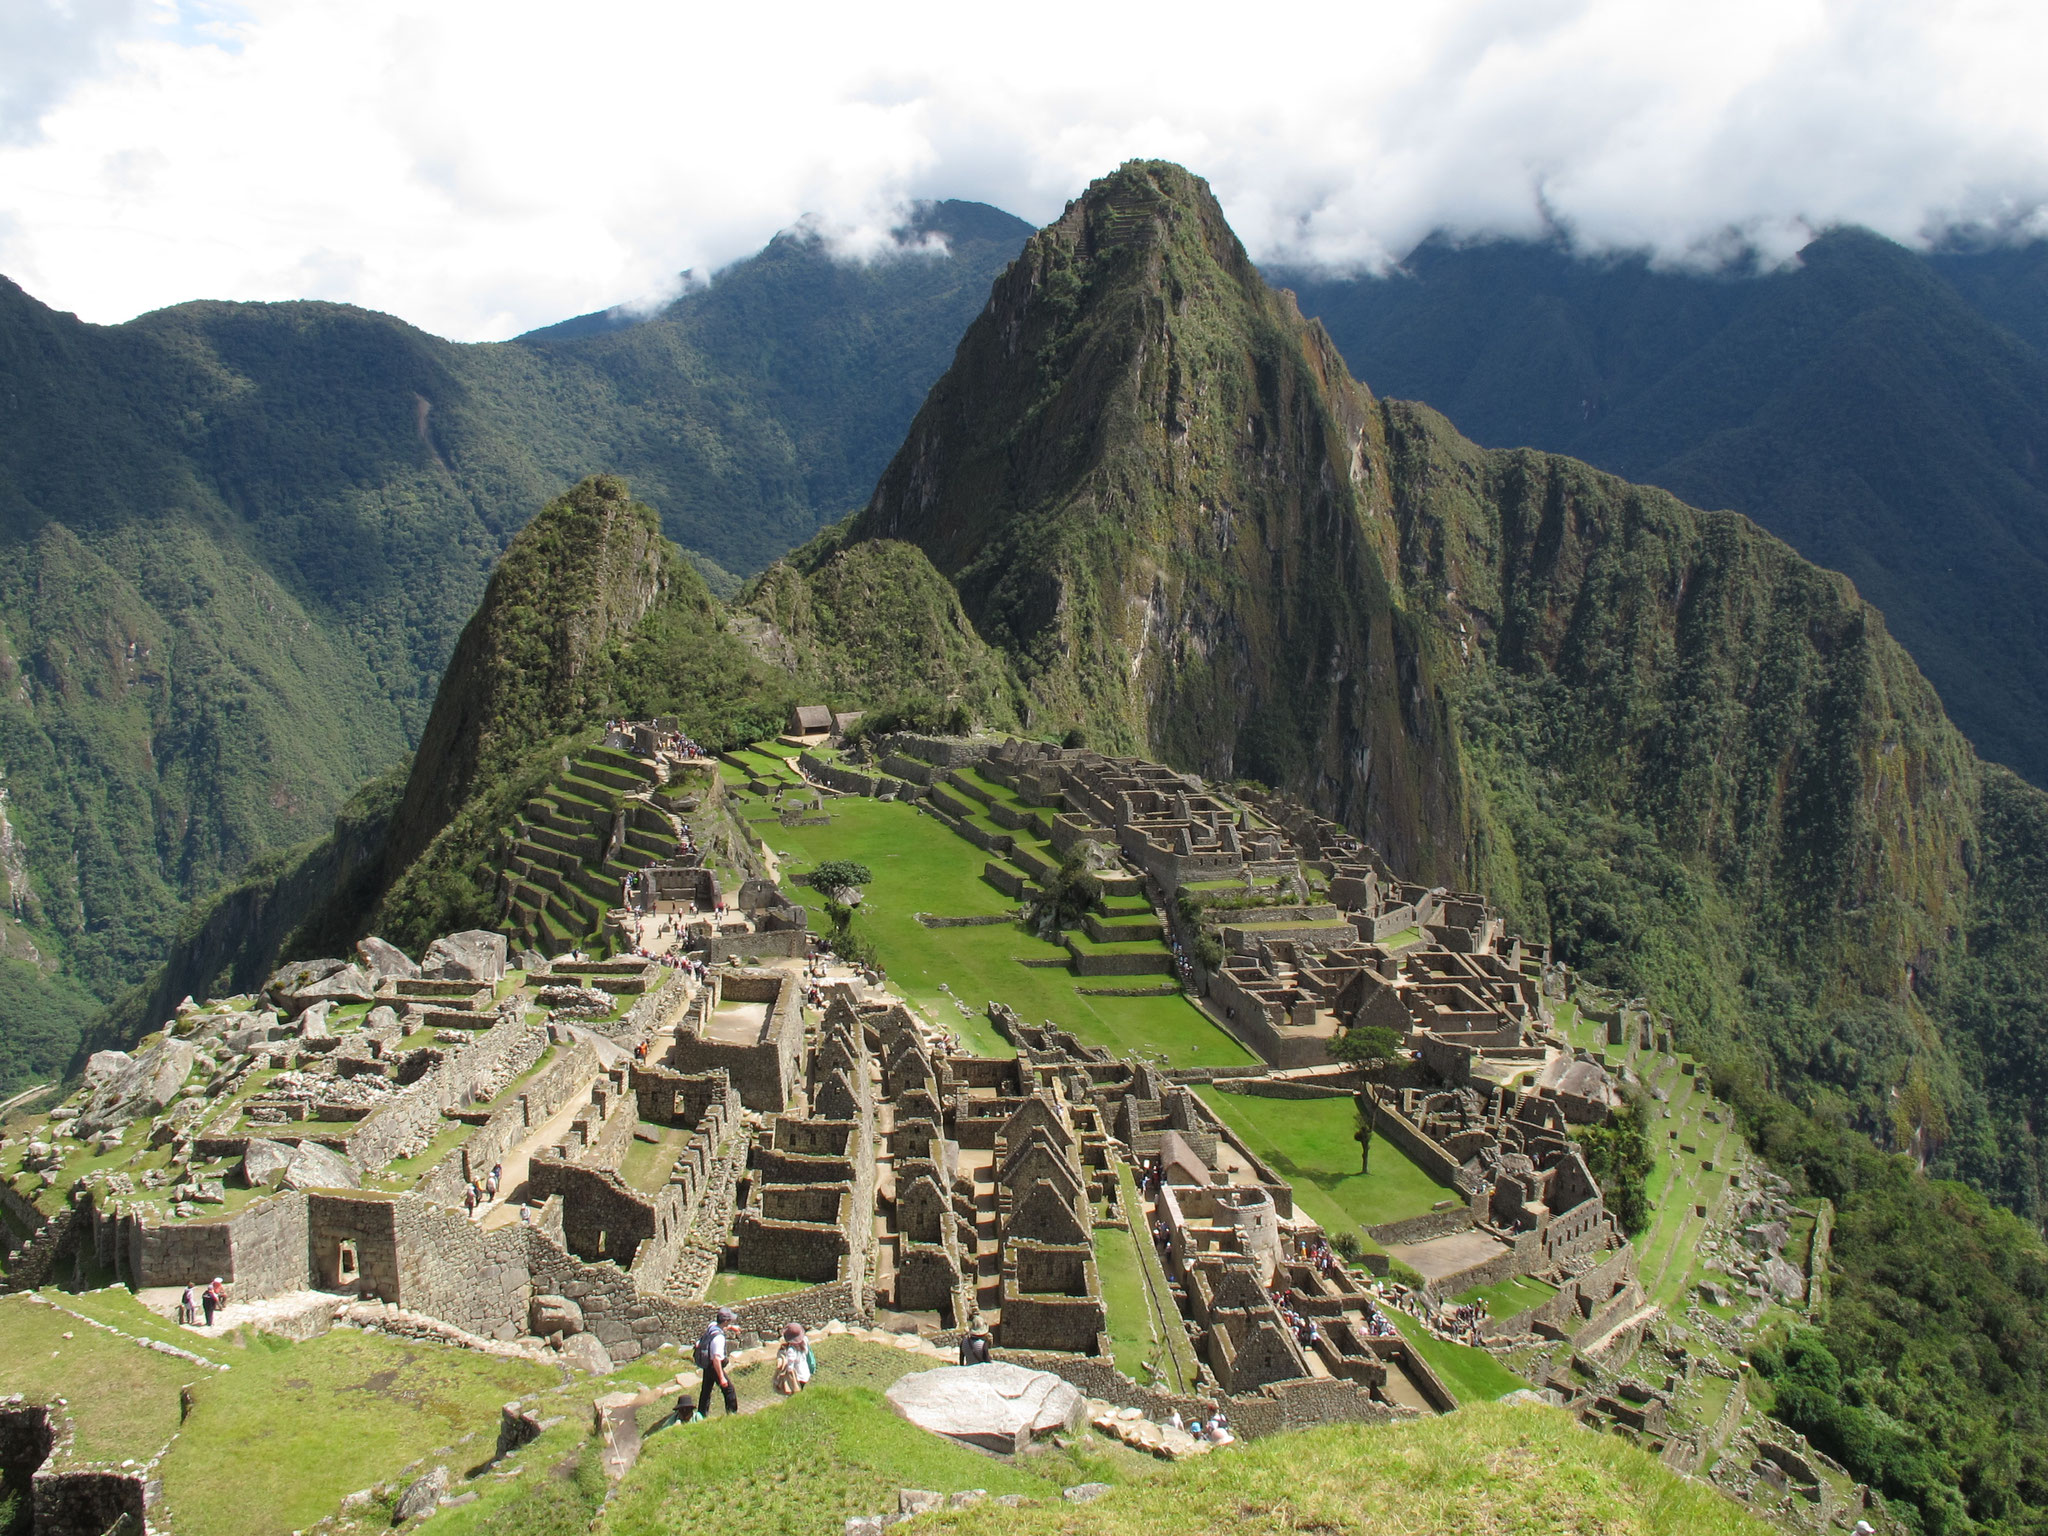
(264, 1163)
(474, 955)
(423, 1497)
(547, 1315)
(385, 962)
(1785, 1279)
(123, 1087)
(350, 984)
(294, 977)
(316, 1167)
(994, 1406)
(586, 1352)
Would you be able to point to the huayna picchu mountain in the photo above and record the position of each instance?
(1693, 760)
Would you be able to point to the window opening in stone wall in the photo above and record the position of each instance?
(346, 1265)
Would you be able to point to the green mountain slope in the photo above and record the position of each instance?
(238, 542)
(1883, 412)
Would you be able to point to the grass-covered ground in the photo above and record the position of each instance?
(729, 1286)
(921, 865)
(1309, 1143)
(1473, 1375)
(123, 1398)
(275, 1442)
(1507, 1298)
(798, 1465)
(1503, 1470)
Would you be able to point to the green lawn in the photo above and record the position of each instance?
(1180, 1369)
(647, 1163)
(1127, 1312)
(729, 1286)
(921, 865)
(1507, 1470)
(123, 1398)
(1508, 1298)
(1309, 1143)
(1473, 1375)
(273, 1443)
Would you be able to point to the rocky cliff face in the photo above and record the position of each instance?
(1159, 492)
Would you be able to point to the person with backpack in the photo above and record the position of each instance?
(710, 1357)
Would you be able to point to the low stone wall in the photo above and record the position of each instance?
(1086, 964)
(1421, 1229)
(787, 944)
(36, 1260)
(1427, 1154)
(629, 1323)
(1283, 1088)
(564, 1079)
(834, 776)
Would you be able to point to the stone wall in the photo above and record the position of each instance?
(1428, 1155)
(601, 1217)
(563, 1080)
(629, 1322)
(450, 1268)
(477, 1069)
(835, 776)
(36, 1260)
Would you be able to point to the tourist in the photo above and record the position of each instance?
(215, 1299)
(710, 1355)
(1219, 1431)
(497, 1178)
(793, 1361)
(188, 1308)
(974, 1344)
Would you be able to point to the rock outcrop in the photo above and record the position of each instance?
(994, 1406)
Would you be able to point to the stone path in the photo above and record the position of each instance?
(1442, 1256)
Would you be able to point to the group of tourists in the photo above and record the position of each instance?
(1215, 1429)
(1316, 1250)
(479, 1193)
(207, 1303)
(620, 734)
(795, 1364)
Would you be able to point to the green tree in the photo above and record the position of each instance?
(837, 875)
(1364, 1043)
(1363, 1135)
(1619, 1158)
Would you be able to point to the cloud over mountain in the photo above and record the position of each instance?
(481, 168)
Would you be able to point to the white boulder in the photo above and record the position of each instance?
(474, 955)
(994, 1406)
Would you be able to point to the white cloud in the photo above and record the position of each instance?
(480, 168)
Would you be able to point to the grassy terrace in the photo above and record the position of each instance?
(647, 1163)
(1507, 1298)
(921, 865)
(1309, 1143)
(1473, 1375)
(729, 1286)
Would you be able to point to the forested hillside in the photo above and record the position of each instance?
(1884, 412)
(240, 540)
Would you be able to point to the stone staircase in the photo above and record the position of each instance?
(574, 842)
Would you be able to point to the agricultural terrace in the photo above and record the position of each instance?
(921, 866)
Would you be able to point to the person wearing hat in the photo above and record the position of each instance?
(711, 1361)
(974, 1343)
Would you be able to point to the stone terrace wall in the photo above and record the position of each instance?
(1428, 1155)
(564, 1079)
(413, 1117)
(450, 1268)
(628, 1322)
(34, 1262)
(833, 776)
